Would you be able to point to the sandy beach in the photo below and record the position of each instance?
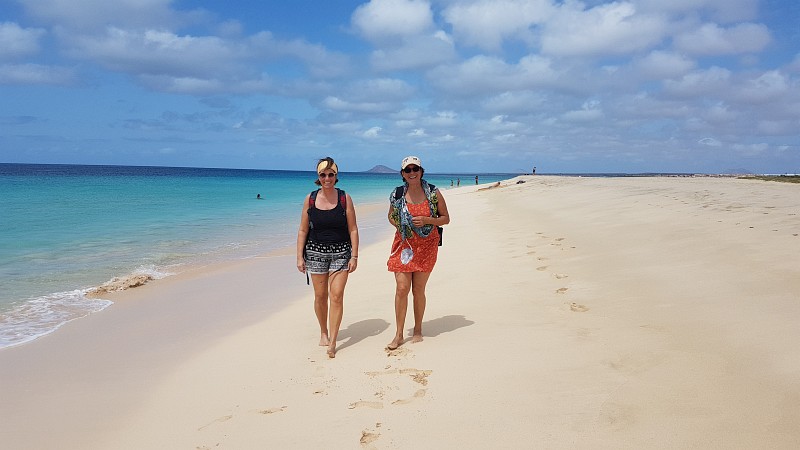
(563, 313)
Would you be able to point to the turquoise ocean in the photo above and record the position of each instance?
(65, 229)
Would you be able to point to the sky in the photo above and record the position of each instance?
(630, 86)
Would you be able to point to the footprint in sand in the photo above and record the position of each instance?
(365, 404)
(560, 276)
(561, 290)
(399, 351)
(272, 410)
(368, 437)
(221, 419)
(419, 394)
(541, 268)
(419, 376)
(577, 308)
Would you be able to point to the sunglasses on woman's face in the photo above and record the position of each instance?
(328, 175)
(410, 169)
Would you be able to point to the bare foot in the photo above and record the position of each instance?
(323, 340)
(332, 351)
(396, 342)
(416, 338)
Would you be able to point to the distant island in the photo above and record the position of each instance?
(381, 169)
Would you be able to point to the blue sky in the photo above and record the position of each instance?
(468, 85)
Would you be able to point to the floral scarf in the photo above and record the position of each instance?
(402, 217)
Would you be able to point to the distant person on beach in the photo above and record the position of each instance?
(327, 249)
(258, 196)
(417, 210)
(476, 179)
(534, 171)
(458, 182)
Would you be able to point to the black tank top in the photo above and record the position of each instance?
(328, 226)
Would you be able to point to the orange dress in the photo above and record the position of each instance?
(425, 249)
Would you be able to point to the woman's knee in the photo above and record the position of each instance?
(403, 287)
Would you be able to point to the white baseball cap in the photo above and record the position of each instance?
(408, 160)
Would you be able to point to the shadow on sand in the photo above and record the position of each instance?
(357, 332)
(444, 324)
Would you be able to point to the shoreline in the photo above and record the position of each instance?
(596, 313)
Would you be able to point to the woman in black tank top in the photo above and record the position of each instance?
(327, 249)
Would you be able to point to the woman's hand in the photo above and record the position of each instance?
(352, 265)
(418, 221)
(301, 265)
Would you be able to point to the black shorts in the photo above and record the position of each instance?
(326, 258)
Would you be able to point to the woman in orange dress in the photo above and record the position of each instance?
(416, 210)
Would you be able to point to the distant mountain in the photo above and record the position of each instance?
(381, 169)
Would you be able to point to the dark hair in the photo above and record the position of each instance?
(330, 162)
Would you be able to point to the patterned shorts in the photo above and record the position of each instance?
(325, 258)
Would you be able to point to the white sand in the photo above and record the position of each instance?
(563, 313)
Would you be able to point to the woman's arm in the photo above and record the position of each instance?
(302, 234)
(352, 227)
(444, 215)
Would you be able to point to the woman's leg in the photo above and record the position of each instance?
(402, 288)
(338, 280)
(320, 282)
(418, 283)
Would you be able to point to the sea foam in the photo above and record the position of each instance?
(39, 316)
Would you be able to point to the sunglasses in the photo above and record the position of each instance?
(328, 175)
(411, 169)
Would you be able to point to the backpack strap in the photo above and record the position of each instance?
(313, 198)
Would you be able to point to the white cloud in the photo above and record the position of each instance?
(750, 150)
(418, 52)
(198, 64)
(97, 14)
(379, 89)
(720, 114)
(442, 119)
(710, 142)
(778, 127)
(590, 111)
(156, 52)
(700, 83)
(486, 23)
(372, 132)
(386, 20)
(660, 65)
(514, 102)
(22, 74)
(608, 29)
(767, 87)
(337, 104)
(16, 41)
(711, 39)
(482, 75)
